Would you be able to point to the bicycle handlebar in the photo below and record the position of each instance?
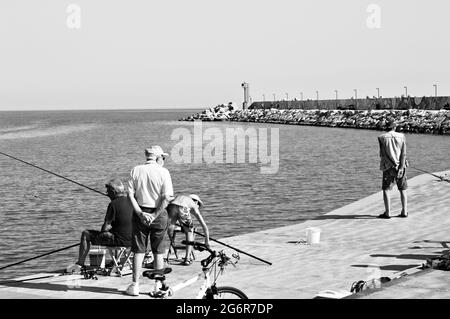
(213, 254)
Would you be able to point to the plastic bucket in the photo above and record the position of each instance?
(312, 235)
(97, 258)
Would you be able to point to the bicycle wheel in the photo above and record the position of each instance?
(226, 293)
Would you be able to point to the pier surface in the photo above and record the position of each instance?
(354, 245)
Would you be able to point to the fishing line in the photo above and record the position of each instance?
(36, 257)
(43, 169)
(238, 250)
(440, 177)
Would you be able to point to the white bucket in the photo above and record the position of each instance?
(312, 235)
(97, 257)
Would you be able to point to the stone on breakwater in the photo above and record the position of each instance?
(411, 120)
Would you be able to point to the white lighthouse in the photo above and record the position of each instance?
(246, 95)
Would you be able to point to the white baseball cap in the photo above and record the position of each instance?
(197, 198)
(155, 151)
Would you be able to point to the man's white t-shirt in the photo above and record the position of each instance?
(150, 183)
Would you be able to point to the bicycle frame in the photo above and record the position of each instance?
(205, 275)
(204, 287)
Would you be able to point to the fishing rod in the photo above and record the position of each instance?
(94, 190)
(238, 250)
(36, 257)
(45, 170)
(440, 177)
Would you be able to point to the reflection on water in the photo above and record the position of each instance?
(32, 131)
(320, 169)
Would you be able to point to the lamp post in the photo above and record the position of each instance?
(335, 91)
(301, 96)
(378, 92)
(264, 98)
(356, 97)
(246, 88)
(287, 97)
(317, 98)
(274, 97)
(435, 90)
(406, 91)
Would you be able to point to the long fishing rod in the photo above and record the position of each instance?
(440, 177)
(94, 190)
(238, 250)
(45, 170)
(36, 257)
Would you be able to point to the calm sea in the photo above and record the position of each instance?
(320, 169)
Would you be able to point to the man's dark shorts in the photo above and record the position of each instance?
(157, 232)
(390, 177)
(106, 239)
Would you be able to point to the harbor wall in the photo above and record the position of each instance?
(396, 103)
(409, 121)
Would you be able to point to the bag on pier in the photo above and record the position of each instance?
(441, 262)
(361, 285)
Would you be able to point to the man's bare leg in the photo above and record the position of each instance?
(189, 237)
(85, 246)
(404, 199)
(387, 202)
(158, 261)
(137, 266)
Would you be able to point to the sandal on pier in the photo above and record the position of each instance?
(186, 262)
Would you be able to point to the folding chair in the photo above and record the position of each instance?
(174, 246)
(121, 257)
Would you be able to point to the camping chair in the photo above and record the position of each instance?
(121, 257)
(174, 246)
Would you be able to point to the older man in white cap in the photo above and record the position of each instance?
(149, 184)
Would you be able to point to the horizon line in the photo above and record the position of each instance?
(102, 109)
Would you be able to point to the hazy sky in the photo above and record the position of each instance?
(196, 53)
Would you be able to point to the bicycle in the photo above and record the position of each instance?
(209, 289)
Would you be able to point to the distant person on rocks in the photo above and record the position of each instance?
(149, 184)
(393, 164)
(116, 229)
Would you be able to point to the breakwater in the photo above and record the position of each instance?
(411, 120)
(395, 103)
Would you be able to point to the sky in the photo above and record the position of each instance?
(96, 54)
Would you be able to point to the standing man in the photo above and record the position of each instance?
(393, 164)
(148, 185)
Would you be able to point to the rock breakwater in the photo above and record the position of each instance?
(412, 120)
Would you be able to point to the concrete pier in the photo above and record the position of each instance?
(354, 245)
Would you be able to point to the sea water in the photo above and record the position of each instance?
(320, 169)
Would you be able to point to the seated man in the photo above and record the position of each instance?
(116, 230)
